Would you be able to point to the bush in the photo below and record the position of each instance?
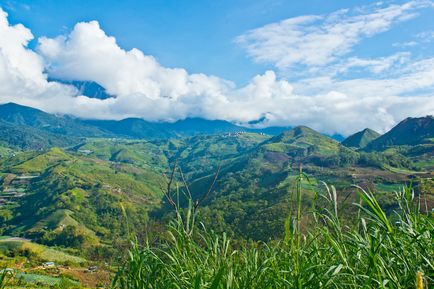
(69, 236)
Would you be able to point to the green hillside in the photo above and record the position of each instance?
(412, 138)
(39, 252)
(198, 156)
(5, 151)
(75, 201)
(137, 153)
(28, 138)
(304, 145)
(251, 196)
(302, 141)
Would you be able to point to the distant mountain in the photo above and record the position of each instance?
(361, 138)
(131, 128)
(91, 89)
(271, 130)
(88, 88)
(25, 116)
(337, 137)
(193, 126)
(411, 131)
(139, 128)
(16, 114)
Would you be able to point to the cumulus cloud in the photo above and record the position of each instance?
(21, 69)
(318, 40)
(144, 88)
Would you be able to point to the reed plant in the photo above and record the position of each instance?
(5, 276)
(368, 249)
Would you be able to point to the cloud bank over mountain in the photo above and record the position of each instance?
(144, 88)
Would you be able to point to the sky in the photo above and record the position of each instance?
(336, 66)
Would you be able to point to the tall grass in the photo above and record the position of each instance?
(368, 249)
(5, 276)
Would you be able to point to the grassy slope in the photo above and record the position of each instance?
(83, 193)
(38, 252)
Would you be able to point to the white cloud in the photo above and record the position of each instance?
(373, 65)
(421, 37)
(405, 44)
(144, 88)
(318, 40)
(21, 69)
(425, 36)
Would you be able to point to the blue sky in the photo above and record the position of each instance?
(198, 35)
(341, 59)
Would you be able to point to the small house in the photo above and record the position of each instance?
(48, 265)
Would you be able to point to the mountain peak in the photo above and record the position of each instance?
(22, 115)
(19, 115)
(301, 129)
(301, 141)
(12, 106)
(410, 131)
(297, 132)
(361, 139)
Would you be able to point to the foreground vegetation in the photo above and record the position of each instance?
(322, 248)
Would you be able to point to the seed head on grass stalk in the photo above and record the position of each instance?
(419, 280)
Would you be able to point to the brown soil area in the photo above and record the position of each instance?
(99, 279)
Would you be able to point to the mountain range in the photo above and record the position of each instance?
(84, 171)
(43, 123)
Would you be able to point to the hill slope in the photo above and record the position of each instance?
(25, 137)
(302, 141)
